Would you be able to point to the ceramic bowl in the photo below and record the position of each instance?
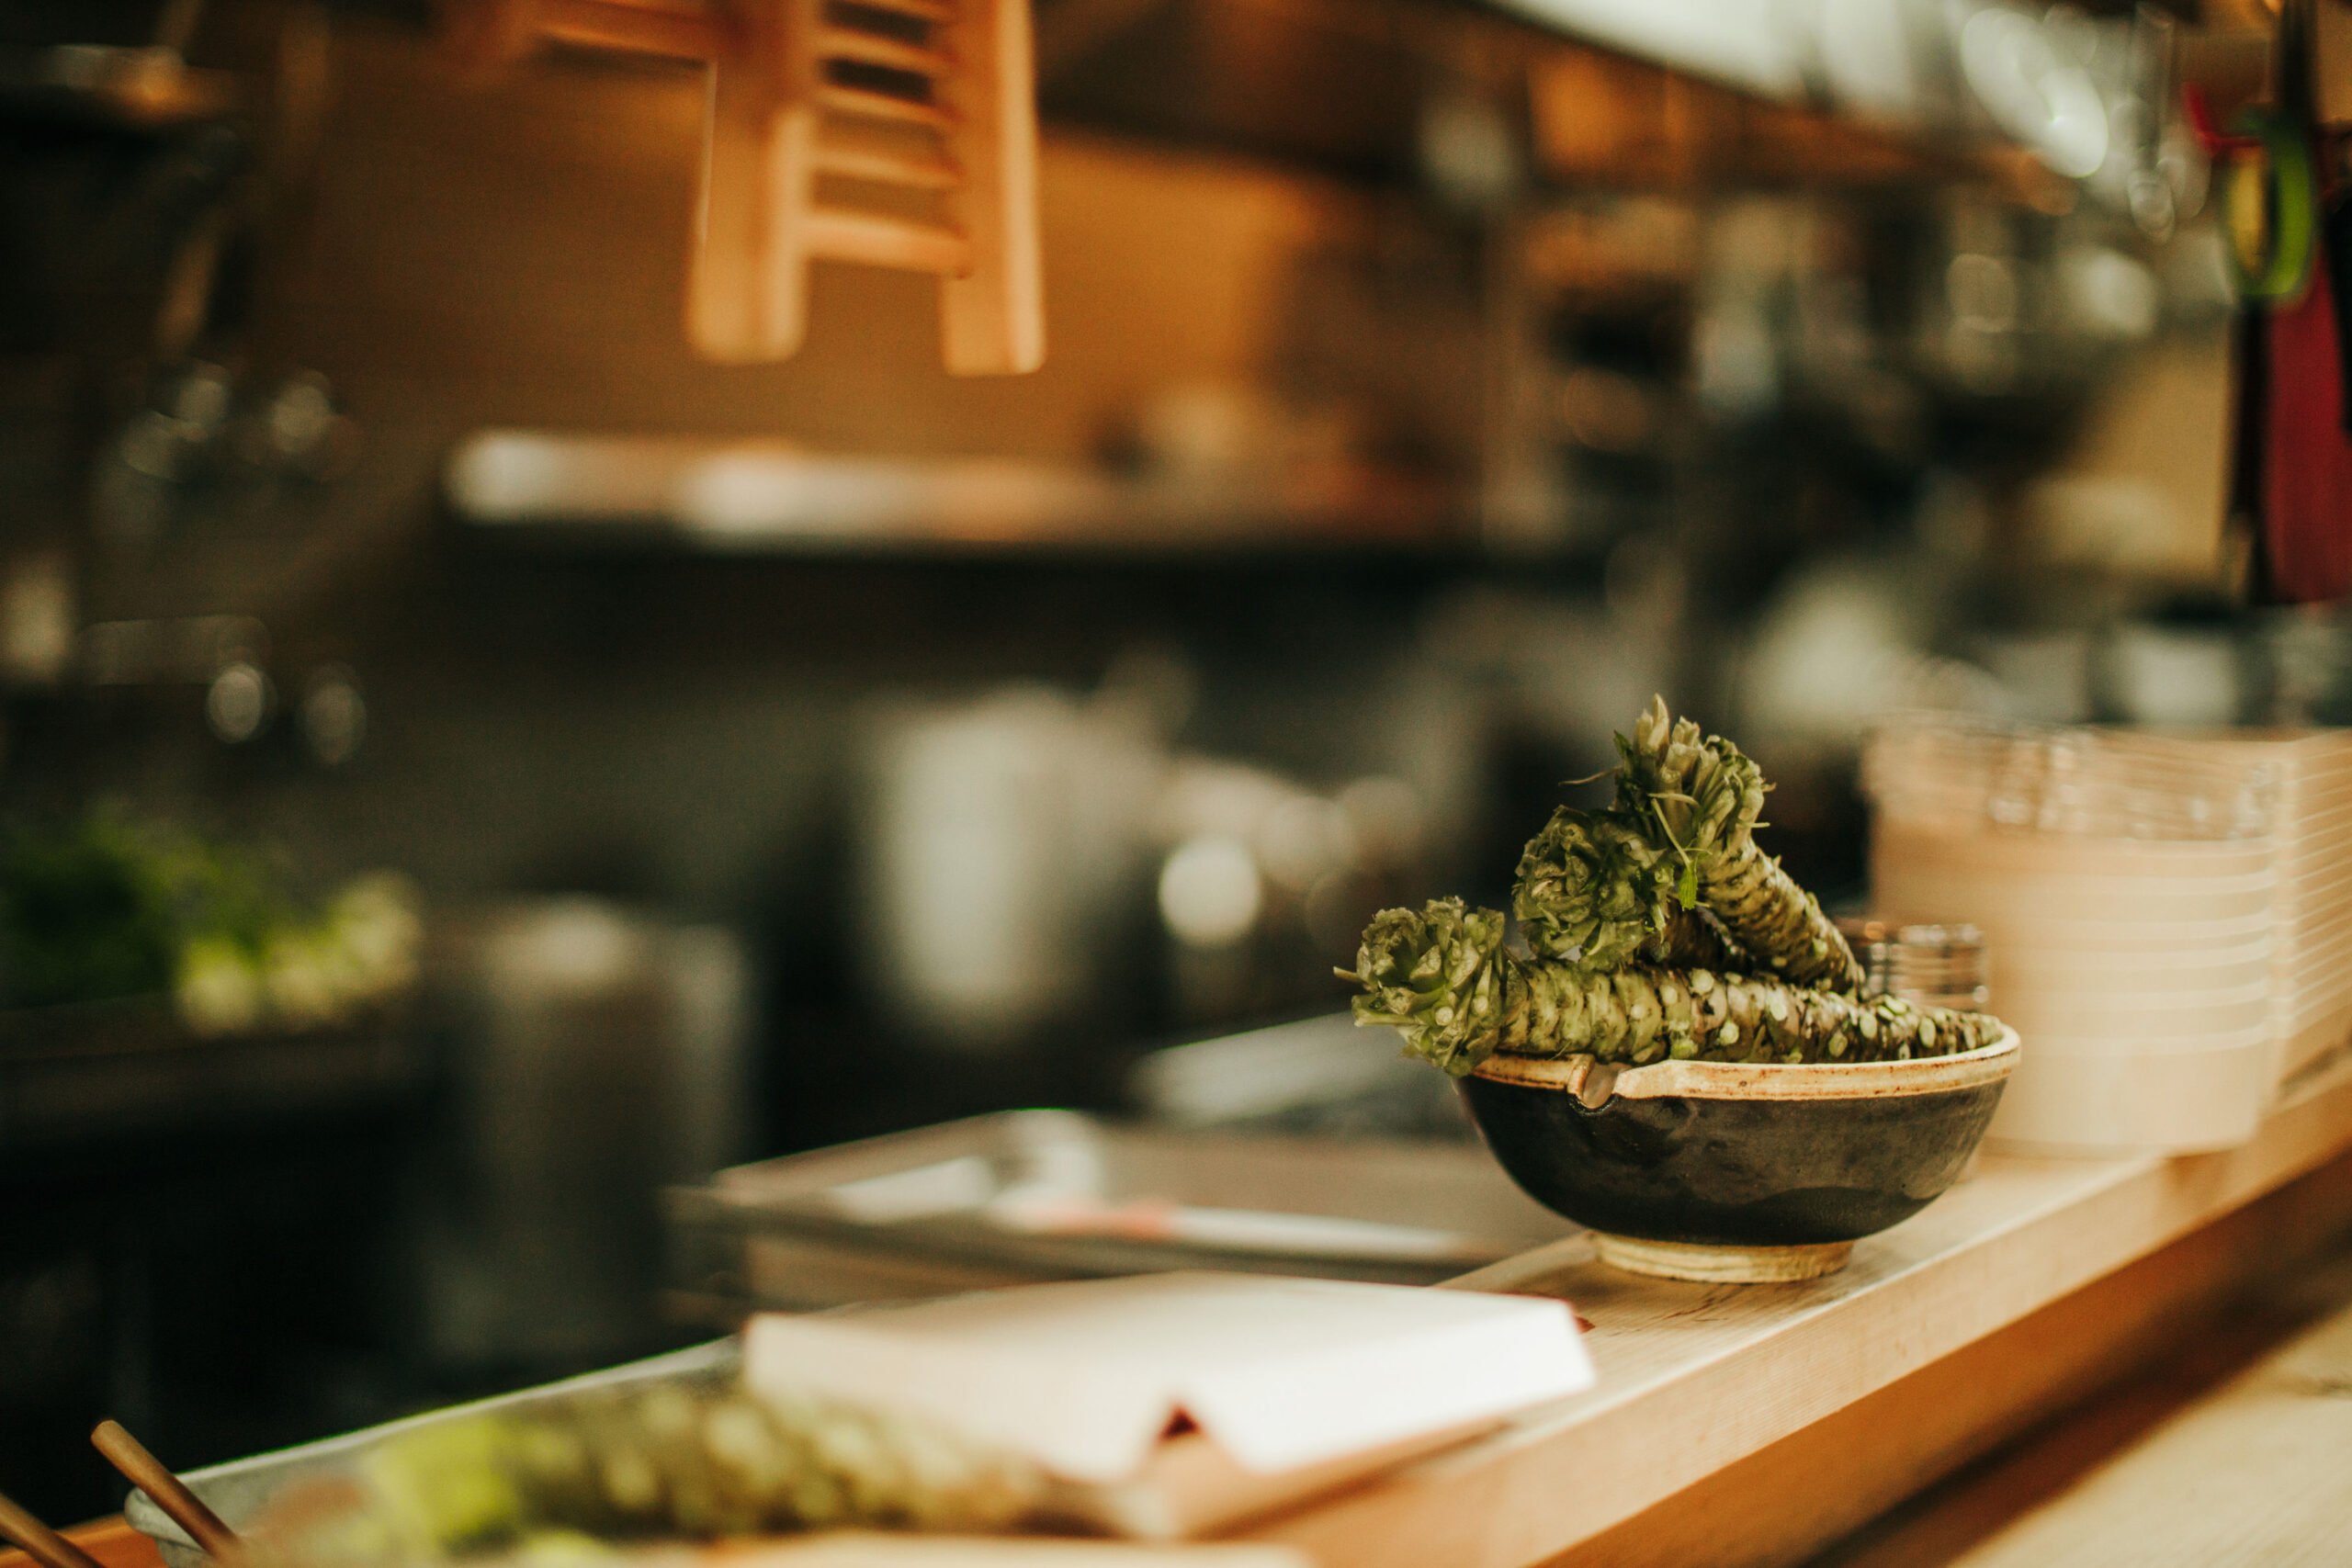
(1737, 1171)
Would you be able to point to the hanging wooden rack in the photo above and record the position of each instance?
(898, 133)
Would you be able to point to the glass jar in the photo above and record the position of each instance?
(1926, 966)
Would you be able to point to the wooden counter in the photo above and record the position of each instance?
(1754, 1424)
(1745, 1425)
(110, 1541)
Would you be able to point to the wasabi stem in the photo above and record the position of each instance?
(1697, 802)
(1594, 893)
(1436, 973)
(700, 1458)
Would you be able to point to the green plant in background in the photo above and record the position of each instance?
(111, 908)
(85, 915)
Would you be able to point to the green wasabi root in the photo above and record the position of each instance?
(1442, 979)
(1697, 802)
(1594, 893)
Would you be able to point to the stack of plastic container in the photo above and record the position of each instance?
(2127, 887)
(2310, 958)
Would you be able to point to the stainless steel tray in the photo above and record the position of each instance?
(782, 1234)
(241, 1489)
(924, 1212)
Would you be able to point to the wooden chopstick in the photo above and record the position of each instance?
(170, 1493)
(40, 1542)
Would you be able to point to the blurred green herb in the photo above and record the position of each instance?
(110, 908)
(85, 915)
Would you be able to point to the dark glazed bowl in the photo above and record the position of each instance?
(1722, 1171)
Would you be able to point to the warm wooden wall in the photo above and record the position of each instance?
(514, 253)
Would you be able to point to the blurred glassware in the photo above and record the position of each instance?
(238, 703)
(2107, 294)
(2045, 676)
(206, 444)
(228, 660)
(334, 714)
(1018, 848)
(1941, 966)
(2306, 652)
(1265, 879)
(1210, 892)
(2141, 888)
(2035, 86)
(1468, 149)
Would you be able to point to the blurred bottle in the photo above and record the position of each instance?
(596, 1054)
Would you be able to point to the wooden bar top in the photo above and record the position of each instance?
(112, 1540)
(1715, 1434)
(1752, 1424)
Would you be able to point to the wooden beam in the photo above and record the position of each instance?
(698, 34)
(882, 241)
(862, 160)
(992, 315)
(869, 104)
(873, 48)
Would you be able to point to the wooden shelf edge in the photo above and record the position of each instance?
(1697, 1378)
(112, 1540)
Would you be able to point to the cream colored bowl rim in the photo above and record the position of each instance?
(1593, 1080)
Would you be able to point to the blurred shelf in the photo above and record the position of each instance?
(116, 1071)
(1876, 93)
(741, 498)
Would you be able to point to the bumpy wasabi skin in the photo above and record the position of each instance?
(1698, 801)
(1596, 894)
(700, 1459)
(1442, 979)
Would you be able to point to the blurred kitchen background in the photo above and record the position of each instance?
(785, 754)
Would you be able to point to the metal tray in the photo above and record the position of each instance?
(921, 1214)
(241, 1489)
(780, 1234)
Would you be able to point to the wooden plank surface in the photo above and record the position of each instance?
(112, 1540)
(1854, 1473)
(1698, 1378)
(2257, 1476)
(1940, 1525)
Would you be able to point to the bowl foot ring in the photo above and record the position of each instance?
(1721, 1265)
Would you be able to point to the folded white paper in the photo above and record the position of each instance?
(1085, 1378)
